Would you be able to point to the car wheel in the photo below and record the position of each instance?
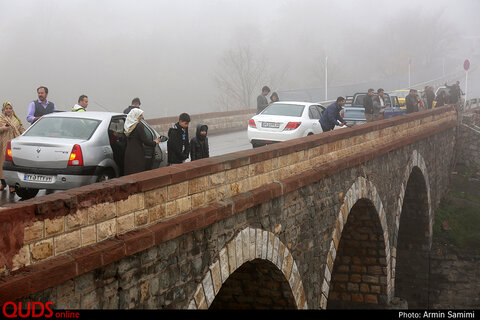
(105, 174)
(26, 193)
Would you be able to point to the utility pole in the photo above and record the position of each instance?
(326, 78)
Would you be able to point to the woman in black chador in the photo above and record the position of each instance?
(136, 138)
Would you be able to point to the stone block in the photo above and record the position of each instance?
(155, 197)
(141, 218)
(157, 213)
(126, 223)
(68, 241)
(134, 202)
(76, 220)
(41, 250)
(179, 190)
(34, 232)
(89, 235)
(101, 212)
(106, 229)
(54, 227)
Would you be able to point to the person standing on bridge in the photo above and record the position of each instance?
(82, 104)
(274, 98)
(40, 107)
(262, 101)
(441, 99)
(10, 127)
(378, 105)
(331, 116)
(134, 153)
(178, 145)
(135, 104)
(199, 144)
(455, 92)
(368, 105)
(411, 101)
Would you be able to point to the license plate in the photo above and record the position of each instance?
(275, 125)
(37, 178)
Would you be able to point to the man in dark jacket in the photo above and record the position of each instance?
(368, 105)
(411, 101)
(331, 116)
(199, 144)
(262, 101)
(178, 145)
(135, 104)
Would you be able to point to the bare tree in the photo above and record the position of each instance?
(239, 77)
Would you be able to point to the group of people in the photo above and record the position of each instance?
(262, 101)
(414, 102)
(373, 104)
(180, 148)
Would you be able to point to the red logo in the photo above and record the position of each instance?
(30, 309)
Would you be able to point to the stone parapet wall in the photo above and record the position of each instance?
(217, 122)
(63, 235)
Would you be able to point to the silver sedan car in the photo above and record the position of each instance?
(64, 150)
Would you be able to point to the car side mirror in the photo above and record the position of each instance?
(163, 138)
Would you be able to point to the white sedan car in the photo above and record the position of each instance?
(283, 121)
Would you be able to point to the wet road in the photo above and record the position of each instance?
(219, 144)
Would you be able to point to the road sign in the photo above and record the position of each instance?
(466, 64)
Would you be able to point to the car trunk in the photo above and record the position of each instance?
(32, 153)
(273, 123)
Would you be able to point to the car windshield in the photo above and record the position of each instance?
(280, 109)
(67, 128)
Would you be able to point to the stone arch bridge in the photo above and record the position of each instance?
(337, 220)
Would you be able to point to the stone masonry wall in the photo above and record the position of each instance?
(164, 227)
(169, 274)
(454, 280)
(468, 148)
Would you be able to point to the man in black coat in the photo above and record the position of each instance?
(135, 104)
(411, 101)
(262, 101)
(178, 145)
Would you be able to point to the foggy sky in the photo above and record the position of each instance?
(166, 52)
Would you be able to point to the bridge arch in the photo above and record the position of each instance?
(413, 235)
(258, 252)
(358, 265)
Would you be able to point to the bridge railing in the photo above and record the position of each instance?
(48, 240)
(217, 122)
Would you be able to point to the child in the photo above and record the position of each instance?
(178, 145)
(199, 143)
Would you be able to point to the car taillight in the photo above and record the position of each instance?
(292, 125)
(8, 152)
(251, 123)
(76, 156)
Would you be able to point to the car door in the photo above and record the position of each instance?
(314, 115)
(153, 155)
(118, 140)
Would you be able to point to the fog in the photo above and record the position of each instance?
(183, 55)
